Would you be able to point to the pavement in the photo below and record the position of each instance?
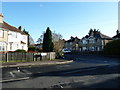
(35, 63)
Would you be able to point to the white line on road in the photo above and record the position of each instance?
(11, 73)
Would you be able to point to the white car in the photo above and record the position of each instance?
(66, 51)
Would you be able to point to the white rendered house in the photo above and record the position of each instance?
(16, 39)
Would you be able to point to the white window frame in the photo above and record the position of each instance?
(2, 46)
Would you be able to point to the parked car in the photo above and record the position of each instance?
(66, 51)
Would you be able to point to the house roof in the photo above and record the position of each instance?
(73, 39)
(97, 34)
(104, 36)
(11, 28)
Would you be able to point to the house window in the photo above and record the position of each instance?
(17, 45)
(66, 44)
(22, 47)
(1, 33)
(16, 35)
(91, 41)
(84, 42)
(10, 45)
(70, 43)
(2, 46)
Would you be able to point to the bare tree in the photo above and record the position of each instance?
(57, 41)
(40, 39)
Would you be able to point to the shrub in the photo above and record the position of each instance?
(112, 48)
(20, 50)
(32, 48)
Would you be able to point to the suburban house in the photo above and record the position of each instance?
(117, 36)
(3, 36)
(12, 38)
(72, 44)
(95, 41)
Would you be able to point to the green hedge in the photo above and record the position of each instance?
(20, 50)
(32, 48)
(112, 48)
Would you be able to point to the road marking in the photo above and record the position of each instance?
(11, 73)
(10, 80)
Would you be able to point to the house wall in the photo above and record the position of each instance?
(24, 38)
(72, 46)
(15, 39)
(86, 45)
(3, 35)
(104, 42)
(3, 40)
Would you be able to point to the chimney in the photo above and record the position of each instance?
(20, 28)
(1, 18)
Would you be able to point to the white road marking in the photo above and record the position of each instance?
(11, 73)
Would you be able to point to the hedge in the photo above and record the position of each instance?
(112, 48)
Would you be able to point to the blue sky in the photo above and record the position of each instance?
(66, 18)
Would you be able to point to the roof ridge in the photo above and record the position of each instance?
(11, 28)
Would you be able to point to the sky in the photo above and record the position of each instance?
(67, 18)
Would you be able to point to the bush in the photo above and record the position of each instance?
(20, 50)
(59, 54)
(112, 48)
(32, 48)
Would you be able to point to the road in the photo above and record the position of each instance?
(85, 71)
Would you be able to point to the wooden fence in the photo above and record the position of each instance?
(26, 56)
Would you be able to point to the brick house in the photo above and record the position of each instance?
(95, 41)
(72, 44)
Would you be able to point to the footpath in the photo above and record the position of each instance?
(34, 63)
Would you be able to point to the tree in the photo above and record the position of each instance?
(56, 36)
(57, 41)
(58, 45)
(47, 41)
(40, 39)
